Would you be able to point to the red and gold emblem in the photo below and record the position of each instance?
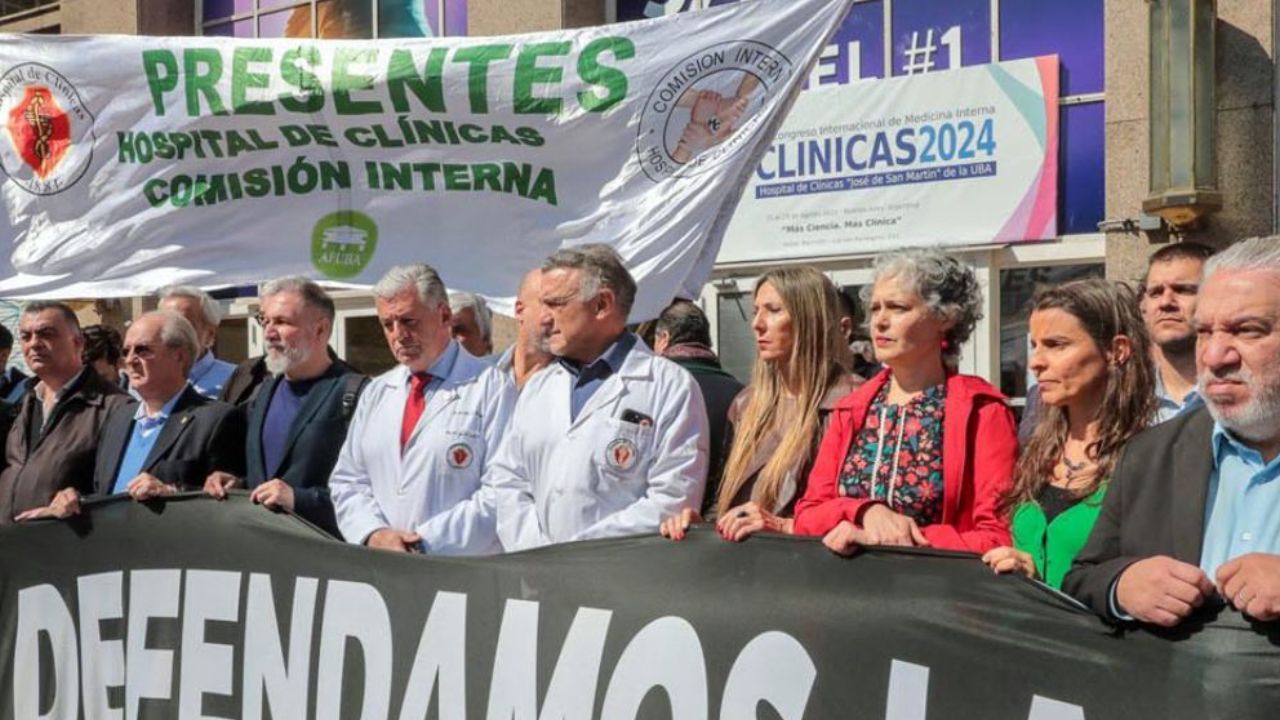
(40, 130)
(46, 145)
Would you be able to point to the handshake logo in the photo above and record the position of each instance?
(706, 106)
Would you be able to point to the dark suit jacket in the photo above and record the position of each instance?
(200, 436)
(243, 384)
(1155, 506)
(62, 456)
(311, 448)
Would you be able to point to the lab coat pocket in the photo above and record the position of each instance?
(623, 456)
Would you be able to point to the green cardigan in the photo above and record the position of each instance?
(1055, 545)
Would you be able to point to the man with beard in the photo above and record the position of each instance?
(1168, 303)
(1192, 518)
(298, 421)
(408, 476)
(529, 353)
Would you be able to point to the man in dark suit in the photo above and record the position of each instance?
(1193, 511)
(173, 438)
(298, 419)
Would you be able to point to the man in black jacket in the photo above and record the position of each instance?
(298, 419)
(683, 336)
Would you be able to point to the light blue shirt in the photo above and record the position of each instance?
(588, 378)
(209, 374)
(146, 429)
(1168, 407)
(1242, 509)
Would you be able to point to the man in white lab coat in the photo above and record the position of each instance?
(610, 438)
(408, 477)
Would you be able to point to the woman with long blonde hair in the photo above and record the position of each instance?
(775, 423)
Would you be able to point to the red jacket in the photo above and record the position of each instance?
(979, 448)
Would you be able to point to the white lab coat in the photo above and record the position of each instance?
(434, 487)
(558, 480)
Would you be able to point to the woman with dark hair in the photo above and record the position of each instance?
(920, 454)
(1089, 353)
(775, 423)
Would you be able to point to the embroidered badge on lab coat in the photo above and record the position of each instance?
(459, 455)
(621, 454)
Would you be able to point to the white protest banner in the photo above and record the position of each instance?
(134, 162)
(962, 157)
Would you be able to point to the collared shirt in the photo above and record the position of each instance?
(39, 421)
(432, 485)
(588, 378)
(506, 364)
(1169, 407)
(439, 370)
(1242, 508)
(209, 374)
(146, 429)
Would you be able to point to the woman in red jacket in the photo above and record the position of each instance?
(919, 454)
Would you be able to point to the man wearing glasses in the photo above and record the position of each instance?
(170, 440)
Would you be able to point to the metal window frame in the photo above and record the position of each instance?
(256, 13)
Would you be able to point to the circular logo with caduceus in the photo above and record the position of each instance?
(706, 106)
(48, 131)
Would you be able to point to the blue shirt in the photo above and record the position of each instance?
(209, 374)
(283, 408)
(1242, 508)
(1169, 407)
(588, 378)
(439, 370)
(143, 437)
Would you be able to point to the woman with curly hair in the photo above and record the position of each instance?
(920, 455)
(1089, 353)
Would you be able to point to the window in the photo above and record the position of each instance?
(735, 342)
(13, 7)
(334, 18)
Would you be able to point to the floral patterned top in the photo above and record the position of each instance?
(897, 456)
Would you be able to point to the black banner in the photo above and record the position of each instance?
(196, 608)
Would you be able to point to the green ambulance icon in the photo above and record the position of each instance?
(343, 243)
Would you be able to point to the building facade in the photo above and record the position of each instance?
(1103, 51)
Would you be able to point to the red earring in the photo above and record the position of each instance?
(945, 344)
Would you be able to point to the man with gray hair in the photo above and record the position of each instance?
(472, 323)
(170, 440)
(208, 373)
(299, 420)
(408, 476)
(1192, 516)
(608, 440)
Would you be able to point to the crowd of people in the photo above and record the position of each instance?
(1144, 479)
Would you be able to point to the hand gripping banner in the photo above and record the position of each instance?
(199, 608)
(134, 162)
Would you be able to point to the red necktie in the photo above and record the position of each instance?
(413, 406)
